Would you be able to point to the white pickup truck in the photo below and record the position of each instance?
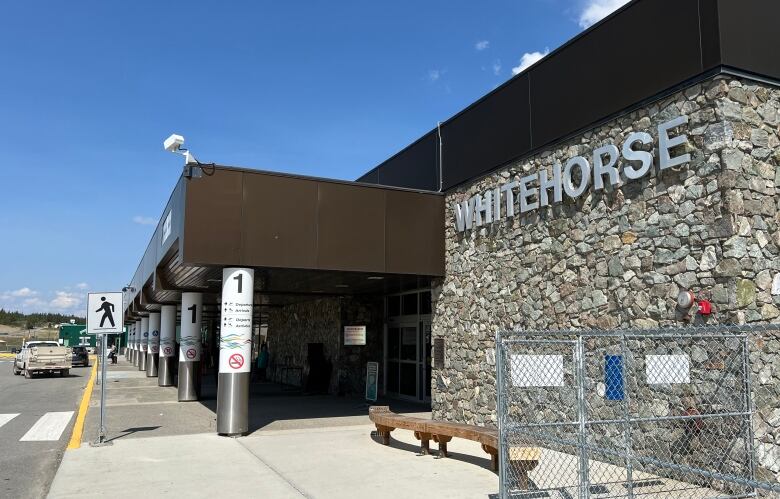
(42, 357)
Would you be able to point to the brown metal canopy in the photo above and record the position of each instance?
(306, 237)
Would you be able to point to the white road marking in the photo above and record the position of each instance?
(4, 418)
(48, 427)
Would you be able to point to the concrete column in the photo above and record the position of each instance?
(144, 344)
(235, 350)
(189, 350)
(152, 356)
(136, 342)
(167, 344)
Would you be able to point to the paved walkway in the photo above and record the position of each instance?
(300, 446)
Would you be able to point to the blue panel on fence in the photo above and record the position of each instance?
(613, 377)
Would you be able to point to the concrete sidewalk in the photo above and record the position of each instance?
(300, 446)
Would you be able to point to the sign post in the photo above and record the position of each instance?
(372, 381)
(104, 317)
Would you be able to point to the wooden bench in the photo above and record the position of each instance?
(522, 459)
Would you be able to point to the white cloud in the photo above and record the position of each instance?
(482, 45)
(23, 292)
(33, 302)
(497, 68)
(435, 74)
(144, 220)
(82, 285)
(528, 59)
(64, 301)
(596, 10)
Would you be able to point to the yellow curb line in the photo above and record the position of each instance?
(78, 426)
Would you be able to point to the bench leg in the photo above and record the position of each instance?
(384, 433)
(521, 468)
(493, 456)
(424, 439)
(442, 440)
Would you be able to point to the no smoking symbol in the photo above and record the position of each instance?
(236, 361)
(191, 353)
(168, 350)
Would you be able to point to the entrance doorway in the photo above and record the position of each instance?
(408, 346)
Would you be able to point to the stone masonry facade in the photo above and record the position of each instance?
(292, 327)
(619, 257)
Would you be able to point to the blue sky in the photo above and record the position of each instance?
(90, 89)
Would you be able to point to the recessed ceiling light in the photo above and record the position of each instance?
(342, 285)
(375, 278)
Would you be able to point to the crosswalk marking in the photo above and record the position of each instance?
(4, 418)
(48, 427)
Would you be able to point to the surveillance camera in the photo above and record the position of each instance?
(173, 143)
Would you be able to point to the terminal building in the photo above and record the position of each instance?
(636, 161)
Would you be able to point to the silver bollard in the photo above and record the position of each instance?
(167, 345)
(235, 350)
(165, 372)
(142, 361)
(152, 361)
(189, 381)
(233, 404)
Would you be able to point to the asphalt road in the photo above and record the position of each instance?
(32, 442)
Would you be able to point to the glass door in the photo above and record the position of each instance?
(403, 359)
(426, 359)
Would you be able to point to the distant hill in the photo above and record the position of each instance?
(30, 321)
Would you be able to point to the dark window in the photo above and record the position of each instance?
(393, 306)
(409, 306)
(409, 343)
(425, 302)
(409, 380)
(392, 376)
(393, 342)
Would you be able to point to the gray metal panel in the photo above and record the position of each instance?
(749, 35)
(639, 52)
(415, 167)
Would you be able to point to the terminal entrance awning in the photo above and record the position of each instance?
(306, 237)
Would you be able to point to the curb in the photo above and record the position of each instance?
(78, 426)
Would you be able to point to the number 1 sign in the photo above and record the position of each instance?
(236, 327)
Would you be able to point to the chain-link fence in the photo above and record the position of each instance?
(679, 412)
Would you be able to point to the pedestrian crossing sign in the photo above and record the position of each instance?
(105, 313)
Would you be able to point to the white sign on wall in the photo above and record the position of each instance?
(354, 335)
(667, 369)
(536, 370)
(166, 230)
(235, 343)
(104, 313)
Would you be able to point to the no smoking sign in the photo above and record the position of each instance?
(236, 361)
(191, 353)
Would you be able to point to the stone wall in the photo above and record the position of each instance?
(619, 257)
(291, 328)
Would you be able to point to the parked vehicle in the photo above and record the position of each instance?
(80, 356)
(42, 357)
